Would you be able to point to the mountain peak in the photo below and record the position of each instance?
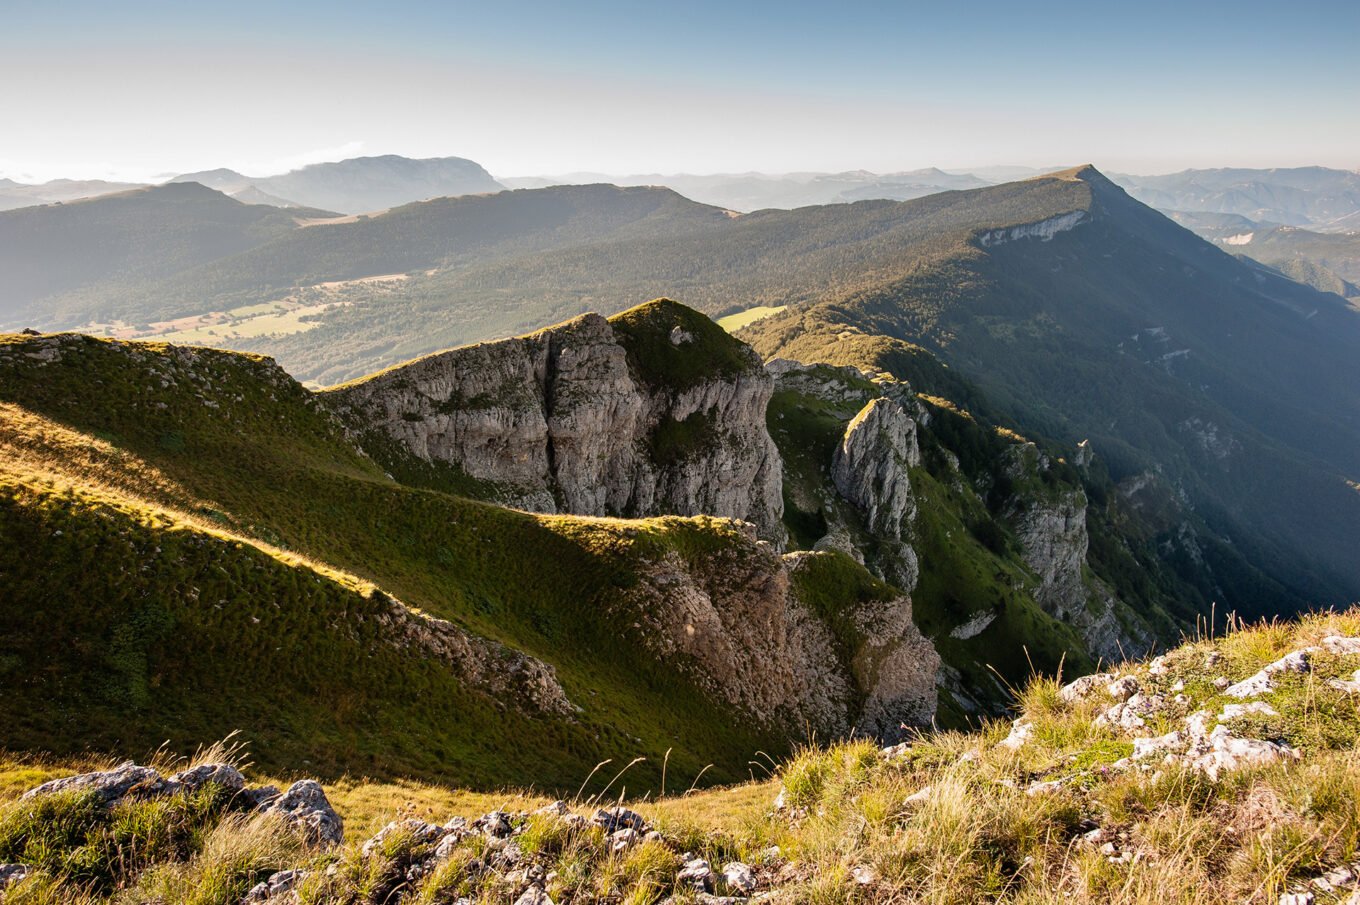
(1086, 172)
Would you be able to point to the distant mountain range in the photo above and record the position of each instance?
(1326, 261)
(757, 191)
(14, 194)
(358, 185)
(1322, 199)
(353, 186)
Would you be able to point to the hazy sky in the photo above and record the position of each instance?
(138, 89)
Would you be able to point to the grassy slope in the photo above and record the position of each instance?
(948, 820)
(234, 441)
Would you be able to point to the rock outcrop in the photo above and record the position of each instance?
(738, 621)
(1050, 525)
(505, 673)
(871, 470)
(303, 805)
(656, 411)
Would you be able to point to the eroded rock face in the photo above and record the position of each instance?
(897, 667)
(1051, 529)
(564, 421)
(735, 624)
(501, 671)
(870, 469)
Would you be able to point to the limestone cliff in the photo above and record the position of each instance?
(1050, 526)
(654, 411)
(871, 469)
(868, 504)
(746, 625)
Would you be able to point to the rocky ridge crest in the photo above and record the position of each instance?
(576, 419)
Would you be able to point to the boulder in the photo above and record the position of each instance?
(1085, 686)
(495, 824)
(127, 779)
(740, 877)
(224, 775)
(612, 820)
(534, 895)
(13, 873)
(695, 874)
(417, 832)
(1264, 680)
(305, 806)
(279, 889)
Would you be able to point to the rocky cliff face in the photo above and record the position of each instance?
(871, 470)
(741, 621)
(654, 411)
(508, 674)
(1051, 530)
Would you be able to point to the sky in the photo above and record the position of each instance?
(143, 89)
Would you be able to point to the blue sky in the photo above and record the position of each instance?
(137, 89)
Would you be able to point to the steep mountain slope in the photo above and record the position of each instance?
(59, 260)
(166, 507)
(657, 409)
(1094, 317)
(708, 260)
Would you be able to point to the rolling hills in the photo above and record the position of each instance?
(408, 242)
(758, 191)
(16, 194)
(79, 250)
